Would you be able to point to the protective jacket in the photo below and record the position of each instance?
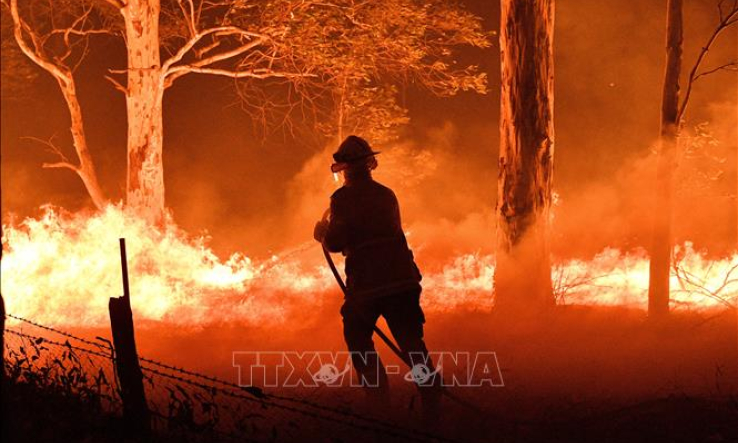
(365, 226)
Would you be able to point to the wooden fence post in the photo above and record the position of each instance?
(135, 410)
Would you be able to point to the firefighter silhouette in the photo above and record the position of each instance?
(382, 278)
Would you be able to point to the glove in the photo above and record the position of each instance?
(321, 228)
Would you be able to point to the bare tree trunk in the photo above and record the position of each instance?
(340, 117)
(65, 78)
(661, 241)
(145, 178)
(86, 168)
(523, 270)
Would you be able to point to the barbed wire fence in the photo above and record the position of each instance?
(185, 405)
(62, 366)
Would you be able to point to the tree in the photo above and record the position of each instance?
(226, 38)
(288, 41)
(17, 73)
(53, 50)
(672, 114)
(370, 48)
(371, 111)
(523, 270)
(222, 38)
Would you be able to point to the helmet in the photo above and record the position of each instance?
(352, 150)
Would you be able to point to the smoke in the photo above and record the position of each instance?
(443, 214)
(261, 199)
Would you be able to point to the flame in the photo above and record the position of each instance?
(61, 268)
(611, 278)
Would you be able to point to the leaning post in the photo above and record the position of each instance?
(135, 410)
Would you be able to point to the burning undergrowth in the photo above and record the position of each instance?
(61, 268)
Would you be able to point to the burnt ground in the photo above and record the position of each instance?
(576, 375)
(41, 416)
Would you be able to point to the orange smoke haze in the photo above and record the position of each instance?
(257, 196)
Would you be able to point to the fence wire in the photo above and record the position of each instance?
(63, 368)
(185, 404)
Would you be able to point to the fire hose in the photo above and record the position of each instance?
(395, 349)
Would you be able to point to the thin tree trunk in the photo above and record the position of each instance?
(65, 79)
(145, 178)
(86, 168)
(340, 119)
(661, 241)
(523, 270)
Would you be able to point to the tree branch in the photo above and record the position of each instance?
(255, 73)
(727, 18)
(81, 33)
(35, 54)
(189, 17)
(65, 79)
(228, 54)
(63, 160)
(119, 4)
(116, 84)
(218, 31)
(49, 144)
(59, 165)
(730, 66)
(175, 72)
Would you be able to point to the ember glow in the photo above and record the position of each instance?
(61, 268)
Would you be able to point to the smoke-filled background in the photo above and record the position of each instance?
(259, 191)
(258, 281)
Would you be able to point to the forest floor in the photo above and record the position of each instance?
(42, 416)
(579, 374)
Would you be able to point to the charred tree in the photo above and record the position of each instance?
(660, 260)
(523, 270)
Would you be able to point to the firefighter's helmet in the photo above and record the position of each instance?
(353, 150)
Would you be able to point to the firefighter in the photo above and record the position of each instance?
(382, 278)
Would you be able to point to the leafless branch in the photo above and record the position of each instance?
(195, 39)
(727, 17)
(200, 53)
(60, 165)
(50, 145)
(195, 67)
(42, 47)
(564, 284)
(21, 31)
(189, 15)
(254, 73)
(69, 31)
(32, 45)
(116, 84)
(692, 284)
(730, 66)
(54, 149)
(119, 4)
